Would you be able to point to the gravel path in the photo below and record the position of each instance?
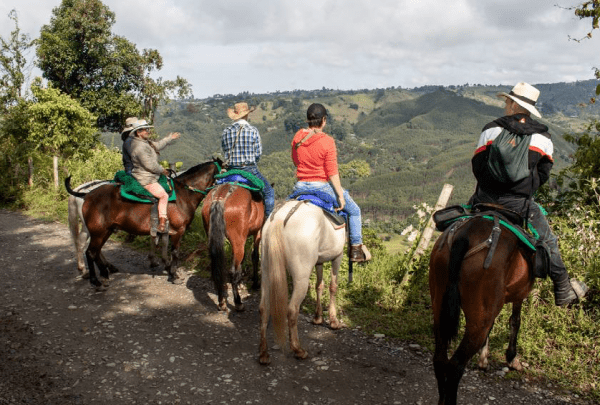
(145, 341)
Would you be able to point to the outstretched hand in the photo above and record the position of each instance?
(174, 135)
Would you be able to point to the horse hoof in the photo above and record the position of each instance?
(317, 321)
(222, 307)
(335, 324)
(240, 308)
(85, 275)
(264, 359)
(515, 365)
(301, 354)
(176, 281)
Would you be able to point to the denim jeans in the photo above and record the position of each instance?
(351, 208)
(268, 192)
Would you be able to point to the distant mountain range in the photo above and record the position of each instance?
(414, 140)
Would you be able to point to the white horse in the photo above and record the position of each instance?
(297, 237)
(79, 233)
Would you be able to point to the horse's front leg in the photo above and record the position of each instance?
(154, 262)
(255, 264)
(335, 267)
(484, 353)
(318, 319)
(515, 324)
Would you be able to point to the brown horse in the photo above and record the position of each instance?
(468, 270)
(104, 211)
(233, 212)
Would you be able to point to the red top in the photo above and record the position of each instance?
(316, 158)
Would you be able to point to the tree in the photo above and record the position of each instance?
(12, 65)
(79, 55)
(59, 125)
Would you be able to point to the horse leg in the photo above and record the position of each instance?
(255, 264)
(154, 262)
(515, 324)
(318, 319)
(484, 352)
(173, 263)
(235, 273)
(90, 256)
(440, 363)
(300, 289)
(334, 323)
(473, 340)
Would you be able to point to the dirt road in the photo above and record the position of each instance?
(145, 341)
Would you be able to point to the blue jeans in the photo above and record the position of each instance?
(268, 192)
(351, 208)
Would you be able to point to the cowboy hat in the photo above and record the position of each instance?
(129, 122)
(525, 95)
(140, 124)
(239, 110)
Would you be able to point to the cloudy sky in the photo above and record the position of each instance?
(231, 46)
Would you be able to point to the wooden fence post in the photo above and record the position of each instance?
(428, 232)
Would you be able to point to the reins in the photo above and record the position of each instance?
(195, 190)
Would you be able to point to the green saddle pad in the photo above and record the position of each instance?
(242, 178)
(132, 190)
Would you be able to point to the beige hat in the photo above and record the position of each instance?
(240, 110)
(129, 122)
(525, 95)
(140, 124)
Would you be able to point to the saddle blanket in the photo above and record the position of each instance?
(320, 199)
(132, 190)
(242, 178)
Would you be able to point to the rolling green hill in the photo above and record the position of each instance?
(414, 141)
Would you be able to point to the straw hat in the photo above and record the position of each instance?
(129, 122)
(525, 95)
(240, 110)
(140, 124)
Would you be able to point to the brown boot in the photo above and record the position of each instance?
(162, 224)
(359, 253)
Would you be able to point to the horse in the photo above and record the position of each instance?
(297, 237)
(104, 211)
(236, 213)
(79, 231)
(476, 265)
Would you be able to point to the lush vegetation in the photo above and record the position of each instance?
(397, 147)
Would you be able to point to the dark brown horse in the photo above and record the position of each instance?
(233, 212)
(463, 274)
(104, 211)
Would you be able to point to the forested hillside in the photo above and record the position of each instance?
(413, 141)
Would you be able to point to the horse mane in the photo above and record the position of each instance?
(195, 169)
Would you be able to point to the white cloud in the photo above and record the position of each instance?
(230, 46)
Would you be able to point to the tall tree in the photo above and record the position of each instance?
(12, 65)
(79, 55)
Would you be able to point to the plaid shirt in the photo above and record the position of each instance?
(248, 147)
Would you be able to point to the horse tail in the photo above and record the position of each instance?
(450, 316)
(274, 280)
(216, 241)
(70, 190)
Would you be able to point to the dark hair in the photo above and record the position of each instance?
(315, 114)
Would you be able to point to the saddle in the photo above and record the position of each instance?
(132, 190)
(450, 219)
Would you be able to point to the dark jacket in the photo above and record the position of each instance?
(540, 157)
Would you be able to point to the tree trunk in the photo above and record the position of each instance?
(30, 175)
(55, 164)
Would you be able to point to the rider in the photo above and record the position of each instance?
(315, 156)
(518, 196)
(146, 169)
(126, 138)
(242, 149)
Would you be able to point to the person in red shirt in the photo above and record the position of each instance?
(315, 157)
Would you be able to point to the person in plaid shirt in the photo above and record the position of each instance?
(242, 149)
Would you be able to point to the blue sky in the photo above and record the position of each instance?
(232, 46)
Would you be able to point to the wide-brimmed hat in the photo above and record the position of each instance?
(129, 123)
(140, 124)
(239, 110)
(525, 95)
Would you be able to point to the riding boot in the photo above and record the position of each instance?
(162, 224)
(359, 253)
(567, 291)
